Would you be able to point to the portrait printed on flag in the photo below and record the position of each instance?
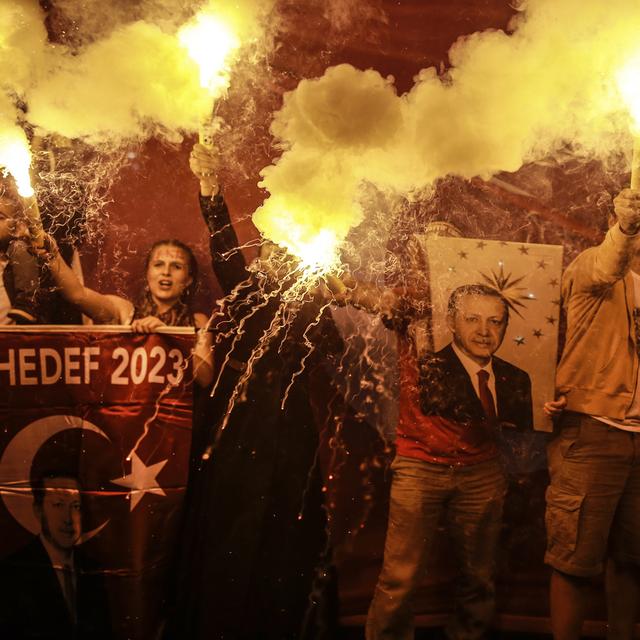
(498, 302)
(94, 457)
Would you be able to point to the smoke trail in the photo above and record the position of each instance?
(507, 99)
(22, 35)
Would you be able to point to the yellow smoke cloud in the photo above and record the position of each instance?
(336, 129)
(22, 38)
(507, 99)
(138, 79)
(126, 85)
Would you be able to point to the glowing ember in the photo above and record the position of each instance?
(15, 157)
(210, 43)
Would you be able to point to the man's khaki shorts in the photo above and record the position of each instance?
(593, 501)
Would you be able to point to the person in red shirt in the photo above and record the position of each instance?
(452, 405)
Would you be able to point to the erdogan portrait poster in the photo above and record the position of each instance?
(498, 303)
(95, 433)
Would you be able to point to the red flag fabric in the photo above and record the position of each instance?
(95, 434)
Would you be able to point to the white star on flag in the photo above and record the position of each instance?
(141, 480)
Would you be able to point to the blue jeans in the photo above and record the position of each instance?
(471, 498)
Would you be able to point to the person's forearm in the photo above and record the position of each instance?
(372, 298)
(215, 213)
(66, 280)
(613, 256)
(227, 260)
(203, 358)
(100, 308)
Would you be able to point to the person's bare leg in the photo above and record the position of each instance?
(568, 604)
(623, 591)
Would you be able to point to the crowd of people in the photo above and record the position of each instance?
(256, 555)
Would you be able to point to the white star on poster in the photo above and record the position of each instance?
(141, 480)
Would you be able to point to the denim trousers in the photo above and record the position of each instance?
(471, 499)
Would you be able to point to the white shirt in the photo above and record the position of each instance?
(472, 368)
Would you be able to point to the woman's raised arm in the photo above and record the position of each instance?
(101, 308)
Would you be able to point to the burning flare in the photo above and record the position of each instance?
(15, 158)
(628, 79)
(320, 254)
(315, 248)
(210, 43)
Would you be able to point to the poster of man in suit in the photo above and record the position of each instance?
(527, 279)
(94, 457)
(51, 574)
(472, 453)
(465, 381)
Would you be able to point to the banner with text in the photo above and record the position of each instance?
(95, 433)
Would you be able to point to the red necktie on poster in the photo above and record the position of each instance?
(486, 397)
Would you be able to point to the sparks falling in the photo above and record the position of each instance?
(282, 289)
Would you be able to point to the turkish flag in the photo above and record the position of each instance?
(95, 433)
